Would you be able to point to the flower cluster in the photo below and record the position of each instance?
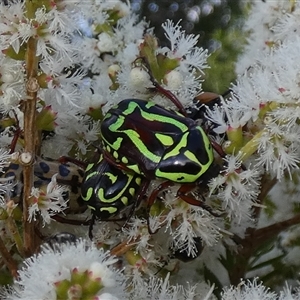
(77, 59)
(73, 271)
(260, 119)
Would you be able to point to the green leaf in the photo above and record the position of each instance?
(211, 278)
(10, 52)
(45, 119)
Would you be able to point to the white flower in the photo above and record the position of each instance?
(106, 43)
(236, 187)
(50, 274)
(48, 203)
(158, 289)
(139, 79)
(4, 159)
(138, 228)
(278, 149)
(184, 47)
(248, 291)
(182, 223)
(227, 116)
(174, 80)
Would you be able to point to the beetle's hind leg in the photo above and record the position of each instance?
(91, 226)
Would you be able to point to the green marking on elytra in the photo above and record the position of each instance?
(95, 173)
(111, 177)
(101, 192)
(108, 115)
(91, 207)
(116, 144)
(124, 160)
(164, 139)
(164, 119)
(135, 168)
(191, 156)
(133, 134)
(88, 195)
(100, 159)
(178, 177)
(138, 180)
(89, 166)
(102, 197)
(176, 150)
(115, 154)
(136, 140)
(124, 200)
(154, 117)
(110, 209)
(131, 191)
(149, 104)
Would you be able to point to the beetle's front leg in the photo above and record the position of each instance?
(107, 156)
(66, 159)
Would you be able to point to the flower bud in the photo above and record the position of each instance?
(235, 136)
(10, 52)
(105, 43)
(173, 80)
(7, 77)
(133, 257)
(113, 70)
(75, 292)
(139, 78)
(25, 158)
(45, 119)
(43, 80)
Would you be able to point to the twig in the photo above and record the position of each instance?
(251, 242)
(30, 137)
(265, 233)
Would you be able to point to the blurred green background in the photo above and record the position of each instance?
(218, 22)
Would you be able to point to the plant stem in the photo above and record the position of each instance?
(30, 138)
(252, 240)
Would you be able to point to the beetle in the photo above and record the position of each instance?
(108, 190)
(44, 169)
(185, 256)
(55, 240)
(157, 143)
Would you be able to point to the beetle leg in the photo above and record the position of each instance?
(162, 90)
(77, 162)
(63, 220)
(171, 97)
(218, 148)
(139, 197)
(182, 194)
(152, 199)
(154, 194)
(112, 162)
(91, 225)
